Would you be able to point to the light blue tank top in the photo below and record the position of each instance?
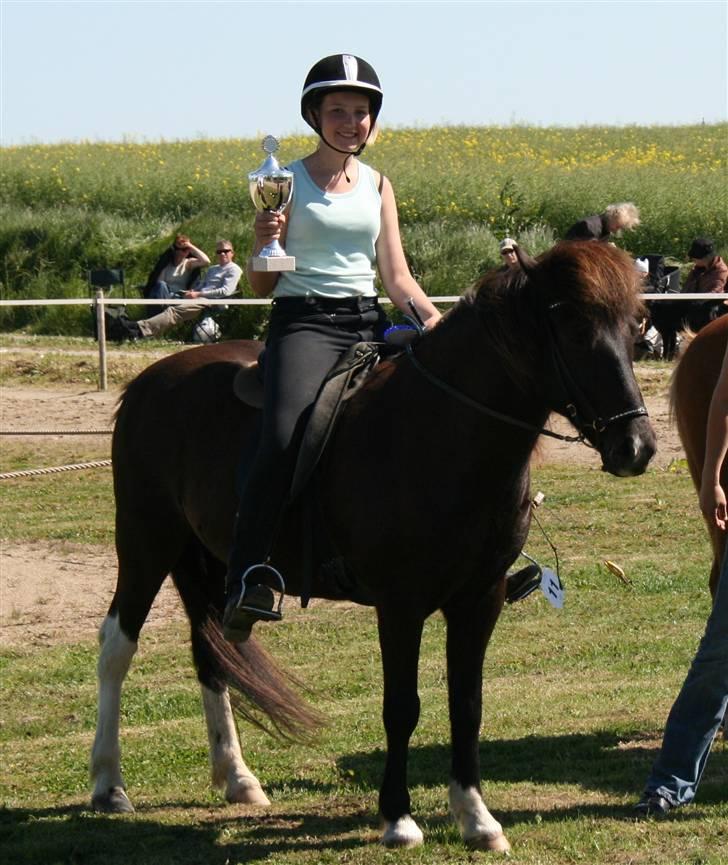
(332, 237)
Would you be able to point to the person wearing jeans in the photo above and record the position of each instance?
(701, 704)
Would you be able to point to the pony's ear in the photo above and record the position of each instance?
(528, 264)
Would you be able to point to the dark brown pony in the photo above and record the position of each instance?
(693, 384)
(423, 493)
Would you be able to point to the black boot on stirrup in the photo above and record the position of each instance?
(255, 603)
(520, 584)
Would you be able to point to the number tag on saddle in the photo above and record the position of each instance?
(552, 588)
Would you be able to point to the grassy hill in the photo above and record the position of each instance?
(66, 208)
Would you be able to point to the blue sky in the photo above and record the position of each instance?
(148, 70)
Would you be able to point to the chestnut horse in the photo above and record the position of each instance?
(693, 383)
(423, 492)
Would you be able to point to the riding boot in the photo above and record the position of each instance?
(520, 584)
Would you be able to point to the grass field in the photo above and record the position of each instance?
(575, 702)
(66, 208)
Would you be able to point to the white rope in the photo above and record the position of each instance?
(30, 473)
(55, 432)
(265, 301)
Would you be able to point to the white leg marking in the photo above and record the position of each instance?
(401, 833)
(226, 759)
(115, 658)
(477, 825)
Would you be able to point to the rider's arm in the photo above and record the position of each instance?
(712, 494)
(392, 265)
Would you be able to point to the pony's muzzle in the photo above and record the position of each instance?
(627, 449)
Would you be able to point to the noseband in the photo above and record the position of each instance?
(588, 424)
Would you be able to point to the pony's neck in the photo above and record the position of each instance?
(460, 352)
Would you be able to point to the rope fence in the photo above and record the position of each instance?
(55, 432)
(101, 300)
(52, 470)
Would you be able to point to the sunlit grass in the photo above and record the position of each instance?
(68, 207)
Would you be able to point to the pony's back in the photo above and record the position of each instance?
(693, 383)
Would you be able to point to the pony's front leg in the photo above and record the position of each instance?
(228, 767)
(470, 622)
(117, 651)
(399, 637)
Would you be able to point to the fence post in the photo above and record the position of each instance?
(101, 336)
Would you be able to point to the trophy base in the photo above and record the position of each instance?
(272, 264)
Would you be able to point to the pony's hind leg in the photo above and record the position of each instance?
(228, 767)
(470, 622)
(199, 578)
(143, 565)
(115, 657)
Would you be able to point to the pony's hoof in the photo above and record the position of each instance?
(402, 833)
(247, 794)
(112, 801)
(495, 843)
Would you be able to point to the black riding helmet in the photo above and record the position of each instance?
(339, 72)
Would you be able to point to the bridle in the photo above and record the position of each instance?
(587, 422)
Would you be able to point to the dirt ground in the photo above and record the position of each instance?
(57, 592)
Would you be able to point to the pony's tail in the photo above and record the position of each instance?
(262, 694)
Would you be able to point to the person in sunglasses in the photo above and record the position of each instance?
(221, 280)
(342, 228)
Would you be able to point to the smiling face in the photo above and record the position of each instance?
(345, 119)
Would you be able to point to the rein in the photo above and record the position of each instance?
(598, 425)
(484, 409)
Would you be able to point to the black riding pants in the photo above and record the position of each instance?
(306, 338)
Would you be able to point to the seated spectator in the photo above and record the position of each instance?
(708, 276)
(601, 226)
(221, 280)
(176, 270)
(508, 253)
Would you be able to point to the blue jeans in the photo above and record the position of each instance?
(160, 290)
(698, 711)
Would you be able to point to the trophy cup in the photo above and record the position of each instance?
(271, 188)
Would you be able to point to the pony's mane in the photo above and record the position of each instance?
(597, 278)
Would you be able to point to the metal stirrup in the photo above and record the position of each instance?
(280, 587)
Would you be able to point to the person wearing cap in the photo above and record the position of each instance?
(601, 226)
(710, 272)
(508, 254)
(709, 275)
(342, 228)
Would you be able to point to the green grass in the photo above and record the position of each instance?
(67, 208)
(574, 703)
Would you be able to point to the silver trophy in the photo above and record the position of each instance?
(271, 188)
